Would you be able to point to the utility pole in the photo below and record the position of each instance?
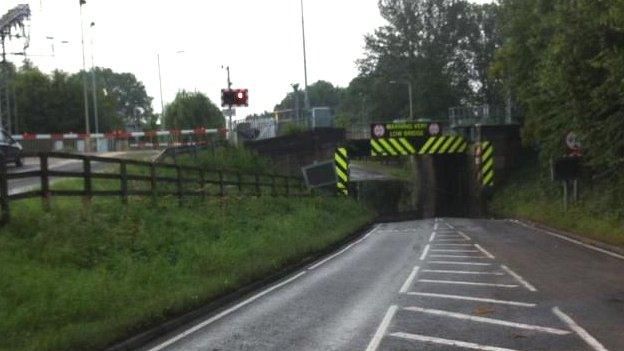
(305, 61)
(84, 80)
(162, 103)
(94, 81)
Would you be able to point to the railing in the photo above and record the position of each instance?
(133, 178)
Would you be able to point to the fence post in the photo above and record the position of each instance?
(179, 183)
(123, 174)
(202, 180)
(258, 190)
(4, 191)
(153, 182)
(45, 182)
(221, 185)
(88, 181)
(240, 182)
(287, 186)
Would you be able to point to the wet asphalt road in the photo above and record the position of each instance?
(449, 284)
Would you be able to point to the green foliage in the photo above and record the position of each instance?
(531, 195)
(563, 61)
(54, 103)
(80, 278)
(233, 158)
(191, 110)
(321, 93)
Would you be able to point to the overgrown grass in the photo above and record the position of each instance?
(530, 194)
(81, 277)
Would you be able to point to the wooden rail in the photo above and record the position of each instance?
(160, 179)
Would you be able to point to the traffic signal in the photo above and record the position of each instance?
(235, 97)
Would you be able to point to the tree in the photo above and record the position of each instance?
(193, 109)
(321, 93)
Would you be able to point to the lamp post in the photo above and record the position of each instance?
(94, 81)
(411, 98)
(305, 61)
(84, 80)
(162, 102)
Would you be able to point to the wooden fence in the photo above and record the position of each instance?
(149, 179)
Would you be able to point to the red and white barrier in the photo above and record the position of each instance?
(118, 134)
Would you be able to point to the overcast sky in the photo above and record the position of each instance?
(259, 39)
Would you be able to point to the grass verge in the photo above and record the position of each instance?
(530, 194)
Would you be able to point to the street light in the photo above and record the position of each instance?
(94, 81)
(409, 91)
(162, 103)
(305, 62)
(84, 79)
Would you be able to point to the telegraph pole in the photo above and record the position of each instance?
(84, 80)
(305, 61)
(94, 81)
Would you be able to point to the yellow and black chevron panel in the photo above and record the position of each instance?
(342, 170)
(392, 147)
(486, 164)
(444, 145)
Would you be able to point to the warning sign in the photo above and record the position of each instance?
(404, 130)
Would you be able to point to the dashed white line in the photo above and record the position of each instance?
(381, 330)
(582, 333)
(461, 263)
(432, 237)
(518, 278)
(464, 235)
(223, 314)
(493, 321)
(425, 252)
(446, 271)
(409, 280)
(448, 342)
(485, 252)
(612, 254)
(458, 256)
(318, 264)
(471, 298)
(458, 282)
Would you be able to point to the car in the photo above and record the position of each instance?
(10, 149)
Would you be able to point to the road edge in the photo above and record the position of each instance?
(588, 241)
(143, 338)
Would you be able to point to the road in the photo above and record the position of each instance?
(361, 174)
(447, 284)
(17, 186)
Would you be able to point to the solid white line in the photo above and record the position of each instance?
(457, 256)
(409, 280)
(612, 254)
(448, 342)
(582, 333)
(464, 235)
(450, 240)
(223, 314)
(468, 317)
(318, 264)
(435, 226)
(432, 237)
(458, 282)
(425, 252)
(485, 252)
(518, 278)
(460, 272)
(462, 263)
(470, 298)
(367, 235)
(381, 330)
(457, 251)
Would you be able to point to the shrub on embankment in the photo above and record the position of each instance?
(530, 194)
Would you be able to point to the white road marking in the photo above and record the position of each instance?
(318, 264)
(425, 252)
(452, 240)
(519, 279)
(582, 333)
(612, 254)
(471, 298)
(456, 251)
(409, 280)
(485, 252)
(381, 330)
(448, 342)
(464, 235)
(459, 272)
(432, 237)
(222, 314)
(435, 226)
(368, 234)
(452, 244)
(458, 256)
(458, 282)
(468, 317)
(462, 263)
